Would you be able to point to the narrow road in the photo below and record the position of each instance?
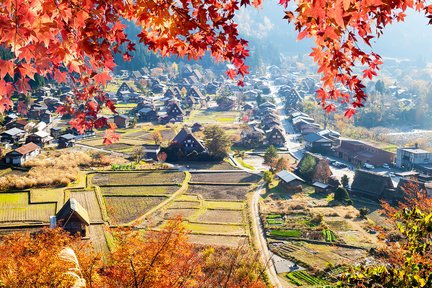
(260, 240)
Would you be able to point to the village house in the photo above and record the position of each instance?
(317, 143)
(147, 114)
(252, 137)
(197, 127)
(275, 136)
(359, 153)
(187, 142)
(289, 180)
(40, 138)
(73, 218)
(175, 111)
(195, 93)
(321, 187)
(10, 118)
(372, 185)
(413, 158)
(22, 154)
(121, 121)
(55, 132)
(19, 123)
(12, 135)
(151, 151)
(211, 88)
(66, 141)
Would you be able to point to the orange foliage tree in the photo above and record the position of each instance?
(165, 258)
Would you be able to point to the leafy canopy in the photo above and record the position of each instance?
(73, 42)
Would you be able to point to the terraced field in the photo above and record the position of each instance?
(220, 192)
(88, 200)
(16, 208)
(138, 190)
(138, 178)
(122, 210)
(226, 178)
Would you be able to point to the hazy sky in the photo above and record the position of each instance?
(411, 39)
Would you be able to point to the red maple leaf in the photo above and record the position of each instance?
(102, 78)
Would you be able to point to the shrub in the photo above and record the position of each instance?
(341, 194)
(363, 212)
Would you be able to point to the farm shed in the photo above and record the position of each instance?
(321, 187)
(289, 180)
(73, 218)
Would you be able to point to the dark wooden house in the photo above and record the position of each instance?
(187, 142)
(73, 218)
(66, 141)
(121, 121)
(372, 185)
(275, 136)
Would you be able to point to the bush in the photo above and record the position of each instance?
(268, 176)
(341, 194)
(363, 212)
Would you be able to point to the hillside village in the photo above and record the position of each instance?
(161, 167)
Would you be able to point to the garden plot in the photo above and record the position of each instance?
(219, 229)
(89, 201)
(212, 117)
(184, 204)
(15, 207)
(139, 190)
(138, 178)
(221, 216)
(185, 213)
(122, 210)
(217, 240)
(220, 192)
(211, 166)
(226, 178)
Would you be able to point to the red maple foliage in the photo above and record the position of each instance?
(73, 42)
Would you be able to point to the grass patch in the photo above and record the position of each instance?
(302, 276)
(215, 229)
(273, 216)
(224, 205)
(15, 207)
(244, 164)
(275, 221)
(285, 233)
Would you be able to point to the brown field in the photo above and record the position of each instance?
(183, 212)
(222, 216)
(122, 210)
(211, 166)
(184, 204)
(231, 177)
(138, 178)
(15, 207)
(138, 190)
(213, 240)
(220, 192)
(88, 200)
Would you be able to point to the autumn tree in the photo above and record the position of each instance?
(157, 137)
(217, 141)
(407, 263)
(162, 156)
(138, 154)
(280, 164)
(45, 259)
(322, 171)
(153, 259)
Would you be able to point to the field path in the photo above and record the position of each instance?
(260, 241)
(181, 190)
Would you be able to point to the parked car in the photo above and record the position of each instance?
(391, 174)
(368, 166)
(386, 166)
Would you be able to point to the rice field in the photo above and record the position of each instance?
(138, 178)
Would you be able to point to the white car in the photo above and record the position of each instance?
(386, 166)
(368, 166)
